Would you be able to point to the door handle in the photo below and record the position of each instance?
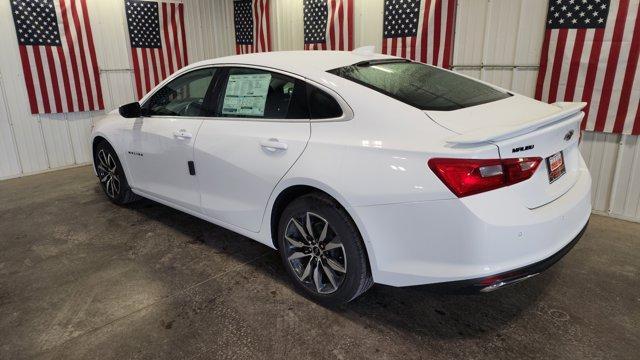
(183, 134)
(273, 145)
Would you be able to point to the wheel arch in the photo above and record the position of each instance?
(94, 145)
(99, 137)
(293, 190)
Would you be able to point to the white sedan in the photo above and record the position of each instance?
(358, 168)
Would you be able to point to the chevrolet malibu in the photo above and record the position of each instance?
(358, 168)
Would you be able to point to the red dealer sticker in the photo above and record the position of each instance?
(555, 166)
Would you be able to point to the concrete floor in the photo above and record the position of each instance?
(83, 278)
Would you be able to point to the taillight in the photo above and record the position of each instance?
(466, 177)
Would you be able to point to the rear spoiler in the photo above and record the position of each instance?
(506, 132)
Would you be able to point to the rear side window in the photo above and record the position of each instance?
(425, 87)
(322, 105)
(255, 93)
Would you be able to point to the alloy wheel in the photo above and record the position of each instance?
(108, 173)
(315, 253)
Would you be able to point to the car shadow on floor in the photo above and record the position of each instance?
(419, 310)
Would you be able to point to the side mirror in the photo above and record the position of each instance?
(131, 110)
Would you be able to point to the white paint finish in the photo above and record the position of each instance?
(209, 29)
(499, 32)
(600, 153)
(108, 24)
(26, 127)
(118, 88)
(524, 81)
(80, 132)
(9, 162)
(368, 23)
(43, 142)
(288, 32)
(157, 158)
(376, 169)
(625, 197)
(470, 32)
(531, 23)
(502, 32)
(502, 78)
(474, 73)
(56, 136)
(237, 173)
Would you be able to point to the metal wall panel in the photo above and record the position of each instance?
(524, 81)
(57, 140)
(27, 130)
(9, 163)
(625, 187)
(34, 143)
(471, 18)
(600, 152)
(531, 21)
(209, 29)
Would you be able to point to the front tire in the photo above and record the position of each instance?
(322, 250)
(111, 175)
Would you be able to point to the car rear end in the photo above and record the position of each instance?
(530, 205)
(509, 213)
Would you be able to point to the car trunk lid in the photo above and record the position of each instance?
(523, 127)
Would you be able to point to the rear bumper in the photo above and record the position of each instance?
(495, 282)
(469, 240)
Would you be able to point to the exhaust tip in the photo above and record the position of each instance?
(502, 283)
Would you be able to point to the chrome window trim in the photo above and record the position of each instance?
(347, 111)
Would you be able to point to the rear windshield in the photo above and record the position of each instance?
(425, 87)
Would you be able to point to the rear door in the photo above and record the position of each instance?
(260, 129)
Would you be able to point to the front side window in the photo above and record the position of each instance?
(255, 93)
(422, 86)
(183, 96)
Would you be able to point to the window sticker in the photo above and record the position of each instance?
(246, 94)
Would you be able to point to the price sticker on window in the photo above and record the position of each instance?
(246, 94)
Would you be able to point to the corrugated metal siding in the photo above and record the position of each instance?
(9, 164)
(35, 143)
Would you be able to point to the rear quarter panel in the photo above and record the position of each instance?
(380, 156)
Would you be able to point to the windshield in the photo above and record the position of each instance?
(425, 87)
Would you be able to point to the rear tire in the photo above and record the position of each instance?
(111, 175)
(322, 250)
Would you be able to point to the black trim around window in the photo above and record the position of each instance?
(208, 108)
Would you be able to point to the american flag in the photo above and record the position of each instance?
(253, 30)
(420, 30)
(590, 53)
(58, 57)
(158, 41)
(328, 24)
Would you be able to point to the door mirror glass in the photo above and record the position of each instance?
(131, 110)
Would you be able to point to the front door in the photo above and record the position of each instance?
(261, 128)
(161, 144)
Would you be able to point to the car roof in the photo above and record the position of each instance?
(310, 64)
